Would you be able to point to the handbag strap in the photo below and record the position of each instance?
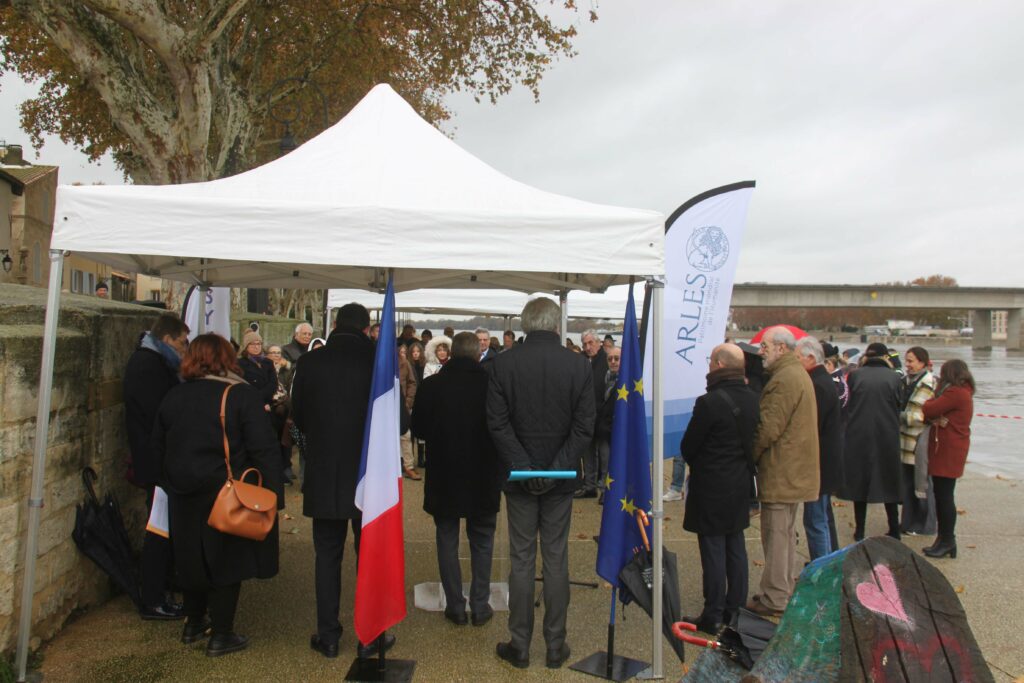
(224, 429)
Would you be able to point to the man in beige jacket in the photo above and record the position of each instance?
(786, 455)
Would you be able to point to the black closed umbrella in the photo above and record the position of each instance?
(637, 579)
(742, 642)
(101, 536)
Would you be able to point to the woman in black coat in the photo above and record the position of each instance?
(464, 476)
(189, 444)
(872, 470)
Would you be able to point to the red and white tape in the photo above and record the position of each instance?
(1004, 417)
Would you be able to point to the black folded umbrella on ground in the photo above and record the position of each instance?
(742, 642)
(637, 579)
(101, 536)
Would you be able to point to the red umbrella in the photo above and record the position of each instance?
(797, 332)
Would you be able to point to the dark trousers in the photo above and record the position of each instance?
(918, 513)
(945, 507)
(156, 564)
(595, 464)
(892, 514)
(723, 560)
(220, 601)
(480, 531)
(329, 545)
(528, 516)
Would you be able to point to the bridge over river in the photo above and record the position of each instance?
(981, 300)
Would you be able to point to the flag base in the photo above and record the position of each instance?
(369, 671)
(622, 669)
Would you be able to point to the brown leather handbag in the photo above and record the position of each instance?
(241, 509)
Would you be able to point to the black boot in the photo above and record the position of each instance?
(942, 548)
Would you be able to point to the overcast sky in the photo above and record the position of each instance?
(885, 138)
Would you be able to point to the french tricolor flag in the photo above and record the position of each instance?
(380, 578)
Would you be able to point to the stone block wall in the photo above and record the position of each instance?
(95, 339)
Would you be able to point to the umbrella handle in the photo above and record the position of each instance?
(88, 477)
(642, 521)
(678, 632)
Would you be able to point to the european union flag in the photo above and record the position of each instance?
(628, 485)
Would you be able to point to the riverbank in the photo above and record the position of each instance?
(111, 644)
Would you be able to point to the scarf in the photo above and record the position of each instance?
(166, 351)
(724, 374)
(228, 378)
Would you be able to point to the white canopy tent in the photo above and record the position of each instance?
(609, 305)
(380, 190)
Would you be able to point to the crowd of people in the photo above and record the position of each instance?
(794, 423)
(787, 424)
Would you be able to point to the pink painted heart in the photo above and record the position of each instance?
(883, 598)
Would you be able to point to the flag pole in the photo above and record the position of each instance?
(611, 637)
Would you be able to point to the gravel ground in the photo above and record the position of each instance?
(110, 643)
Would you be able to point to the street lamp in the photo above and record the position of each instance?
(7, 261)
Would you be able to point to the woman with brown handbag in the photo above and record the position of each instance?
(194, 451)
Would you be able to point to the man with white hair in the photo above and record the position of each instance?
(786, 455)
(594, 351)
(540, 411)
(294, 349)
(486, 353)
(819, 525)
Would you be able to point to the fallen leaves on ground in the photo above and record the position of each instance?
(959, 589)
(838, 504)
(758, 563)
(972, 546)
(961, 511)
(288, 517)
(581, 537)
(293, 530)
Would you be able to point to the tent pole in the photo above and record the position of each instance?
(35, 500)
(203, 289)
(658, 473)
(563, 303)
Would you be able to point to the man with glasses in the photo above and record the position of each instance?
(786, 456)
(299, 344)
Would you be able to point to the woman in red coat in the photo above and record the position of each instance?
(950, 414)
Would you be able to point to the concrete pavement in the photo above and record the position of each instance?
(110, 643)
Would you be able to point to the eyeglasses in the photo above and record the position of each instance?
(273, 353)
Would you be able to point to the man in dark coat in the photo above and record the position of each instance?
(717, 446)
(330, 394)
(540, 410)
(594, 352)
(151, 372)
(296, 348)
(872, 469)
(485, 353)
(465, 476)
(605, 413)
(819, 524)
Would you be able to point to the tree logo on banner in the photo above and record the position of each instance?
(708, 248)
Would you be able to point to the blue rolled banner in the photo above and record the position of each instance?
(520, 475)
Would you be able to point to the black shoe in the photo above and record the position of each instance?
(942, 549)
(709, 626)
(370, 651)
(329, 650)
(894, 534)
(168, 611)
(457, 618)
(556, 658)
(511, 655)
(858, 536)
(289, 474)
(585, 493)
(481, 618)
(225, 643)
(195, 631)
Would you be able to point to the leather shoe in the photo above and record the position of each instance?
(195, 631)
(225, 643)
(762, 610)
(513, 656)
(481, 618)
(168, 611)
(712, 628)
(457, 618)
(410, 473)
(556, 658)
(370, 651)
(329, 650)
(585, 493)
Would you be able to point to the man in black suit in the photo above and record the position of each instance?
(465, 476)
(485, 353)
(330, 393)
(594, 351)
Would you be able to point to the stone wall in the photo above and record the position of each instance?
(95, 339)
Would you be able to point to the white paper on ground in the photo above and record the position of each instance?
(159, 523)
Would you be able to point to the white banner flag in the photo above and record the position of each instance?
(702, 245)
(218, 311)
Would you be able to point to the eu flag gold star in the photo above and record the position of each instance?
(627, 506)
(638, 386)
(623, 393)
(608, 481)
